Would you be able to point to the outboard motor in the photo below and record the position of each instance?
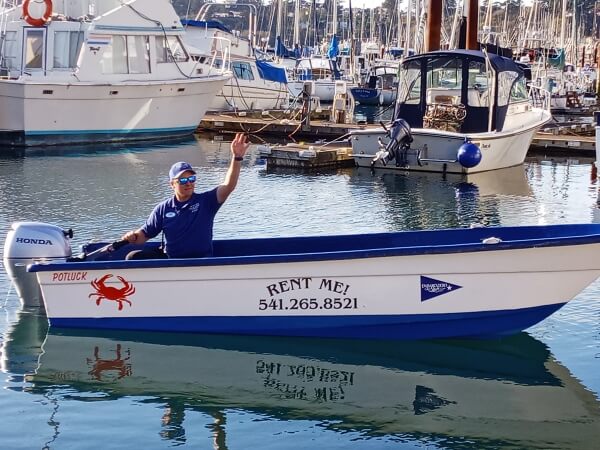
(29, 242)
(400, 140)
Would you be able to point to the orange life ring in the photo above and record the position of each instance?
(37, 21)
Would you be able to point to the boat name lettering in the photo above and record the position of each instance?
(295, 304)
(69, 276)
(33, 241)
(305, 283)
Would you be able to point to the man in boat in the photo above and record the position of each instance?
(186, 219)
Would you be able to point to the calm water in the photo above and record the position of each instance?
(540, 389)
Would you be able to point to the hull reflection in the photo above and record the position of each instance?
(507, 392)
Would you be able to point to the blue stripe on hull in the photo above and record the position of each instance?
(429, 326)
(45, 138)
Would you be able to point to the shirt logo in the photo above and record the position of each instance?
(170, 214)
(194, 207)
(430, 288)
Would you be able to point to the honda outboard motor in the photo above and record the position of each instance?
(29, 242)
(400, 140)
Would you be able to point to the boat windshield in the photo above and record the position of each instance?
(478, 84)
(511, 88)
(409, 89)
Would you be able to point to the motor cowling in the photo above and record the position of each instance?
(400, 139)
(29, 242)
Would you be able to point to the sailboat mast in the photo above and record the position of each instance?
(334, 18)
(407, 31)
(297, 23)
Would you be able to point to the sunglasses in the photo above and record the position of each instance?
(186, 180)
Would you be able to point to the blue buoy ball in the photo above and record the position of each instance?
(468, 155)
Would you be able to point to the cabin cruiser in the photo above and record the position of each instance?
(256, 83)
(99, 71)
(460, 111)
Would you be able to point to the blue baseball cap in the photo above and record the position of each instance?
(178, 168)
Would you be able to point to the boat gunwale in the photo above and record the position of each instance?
(341, 254)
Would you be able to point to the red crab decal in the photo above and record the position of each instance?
(111, 293)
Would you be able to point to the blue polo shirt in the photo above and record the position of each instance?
(188, 226)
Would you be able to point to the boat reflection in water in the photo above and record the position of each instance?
(422, 200)
(490, 394)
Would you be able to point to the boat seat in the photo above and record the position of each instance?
(442, 95)
(475, 98)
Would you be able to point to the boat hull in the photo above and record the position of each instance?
(436, 151)
(47, 113)
(419, 293)
(255, 95)
(365, 96)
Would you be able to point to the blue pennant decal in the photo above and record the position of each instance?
(430, 288)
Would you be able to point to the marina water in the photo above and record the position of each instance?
(67, 390)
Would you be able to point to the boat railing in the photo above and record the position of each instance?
(540, 97)
(221, 56)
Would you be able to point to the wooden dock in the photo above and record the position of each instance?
(279, 124)
(578, 145)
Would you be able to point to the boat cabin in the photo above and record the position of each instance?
(316, 68)
(463, 91)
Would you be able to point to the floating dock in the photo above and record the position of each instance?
(305, 156)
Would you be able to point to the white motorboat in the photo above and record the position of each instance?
(404, 285)
(99, 71)
(460, 111)
(256, 83)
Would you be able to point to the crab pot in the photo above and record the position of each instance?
(29, 242)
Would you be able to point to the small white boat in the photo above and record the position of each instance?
(99, 71)
(402, 285)
(458, 111)
(322, 74)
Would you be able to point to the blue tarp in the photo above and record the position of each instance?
(205, 24)
(270, 72)
(334, 49)
(281, 49)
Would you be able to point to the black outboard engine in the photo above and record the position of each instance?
(29, 242)
(399, 143)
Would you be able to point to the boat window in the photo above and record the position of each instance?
(138, 54)
(10, 50)
(444, 72)
(444, 80)
(505, 84)
(170, 49)
(127, 54)
(477, 86)
(409, 89)
(242, 70)
(34, 49)
(114, 58)
(519, 91)
(67, 45)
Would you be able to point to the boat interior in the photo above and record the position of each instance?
(289, 249)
